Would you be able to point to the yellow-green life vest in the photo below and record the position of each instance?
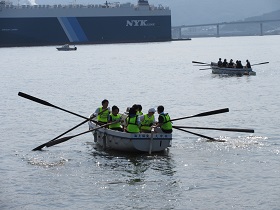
(132, 126)
(147, 122)
(115, 118)
(104, 116)
(167, 125)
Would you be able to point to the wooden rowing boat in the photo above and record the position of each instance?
(130, 142)
(231, 71)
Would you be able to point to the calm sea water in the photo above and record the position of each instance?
(241, 173)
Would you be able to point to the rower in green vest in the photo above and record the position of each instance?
(103, 112)
(140, 110)
(133, 122)
(136, 107)
(114, 116)
(147, 121)
(164, 125)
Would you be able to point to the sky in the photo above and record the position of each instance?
(189, 12)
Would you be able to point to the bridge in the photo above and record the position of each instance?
(217, 25)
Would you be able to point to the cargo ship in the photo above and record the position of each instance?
(42, 25)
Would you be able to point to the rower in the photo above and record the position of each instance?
(114, 116)
(225, 63)
(140, 110)
(239, 65)
(164, 124)
(220, 63)
(133, 122)
(102, 112)
(147, 121)
(231, 64)
(248, 65)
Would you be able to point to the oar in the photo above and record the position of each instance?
(200, 135)
(260, 63)
(218, 129)
(219, 111)
(58, 141)
(40, 101)
(205, 69)
(200, 62)
(43, 145)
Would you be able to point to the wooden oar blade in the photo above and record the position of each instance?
(32, 98)
(202, 65)
(219, 129)
(61, 140)
(260, 63)
(39, 147)
(58, 141)
(43, 145)
(219, 111)
(205, 69)
(200, 62)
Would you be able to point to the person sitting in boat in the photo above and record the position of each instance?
(239, 65)
(225, 63)
(135, 106)
(248, 65)
(140, 113)
(231, 64)
(147, 121)
(133, 122)
(102, 112)
(220, 63)
(164, 125)
(114, 116)
(138, 109)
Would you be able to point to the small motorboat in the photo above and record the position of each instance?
(66, 47)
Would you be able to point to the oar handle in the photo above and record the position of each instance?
(100, 112)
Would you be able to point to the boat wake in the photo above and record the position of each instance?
(43, 163)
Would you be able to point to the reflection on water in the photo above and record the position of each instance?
(133, 165)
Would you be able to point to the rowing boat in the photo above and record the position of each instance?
(130, 142)
(231, 71)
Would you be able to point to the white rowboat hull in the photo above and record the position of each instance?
(231, 71)
(130, 142)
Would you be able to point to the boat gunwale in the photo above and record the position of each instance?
(132, 136)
